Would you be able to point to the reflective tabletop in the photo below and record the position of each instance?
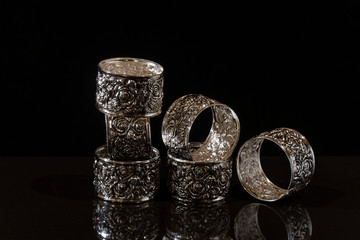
(53, 198)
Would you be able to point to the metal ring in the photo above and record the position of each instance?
(198, 181)
(126, 181)
(222, 138)
(295, 217)
(299, 153)
(129, 87)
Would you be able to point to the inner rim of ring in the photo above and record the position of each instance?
(222, 137)
(130, 67)
(252, 176)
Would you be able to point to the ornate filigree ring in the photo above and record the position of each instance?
(299, 153)
(295, 217)
(222, 138)
(126, 181)
(129, 87)
(198, 181)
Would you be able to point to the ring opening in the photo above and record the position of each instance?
(201, 127)
(275, 164)
(222, 138)
(252, 176)
(130, 67)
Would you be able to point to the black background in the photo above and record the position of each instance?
(276, 64)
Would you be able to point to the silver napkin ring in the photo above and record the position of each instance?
(222, 138)
(299, 153)
(126, 181)
(198, 181)
(295, 217)
(129, 87)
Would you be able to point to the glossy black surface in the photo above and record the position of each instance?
(52, 198)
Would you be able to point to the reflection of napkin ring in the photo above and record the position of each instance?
(126, 181)
(125, 221)
(298, 152)
(198, 181)
(222, 138)
(198, 221)
(295, 217)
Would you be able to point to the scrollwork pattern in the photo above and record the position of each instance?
(128, 138)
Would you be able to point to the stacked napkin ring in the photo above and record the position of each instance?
(201, 171)
(128, 91)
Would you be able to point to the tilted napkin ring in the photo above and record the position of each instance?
(223, 135)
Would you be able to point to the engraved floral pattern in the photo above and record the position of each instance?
(207, 181)
(128, 138)
(126, 181)
(129, 96)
